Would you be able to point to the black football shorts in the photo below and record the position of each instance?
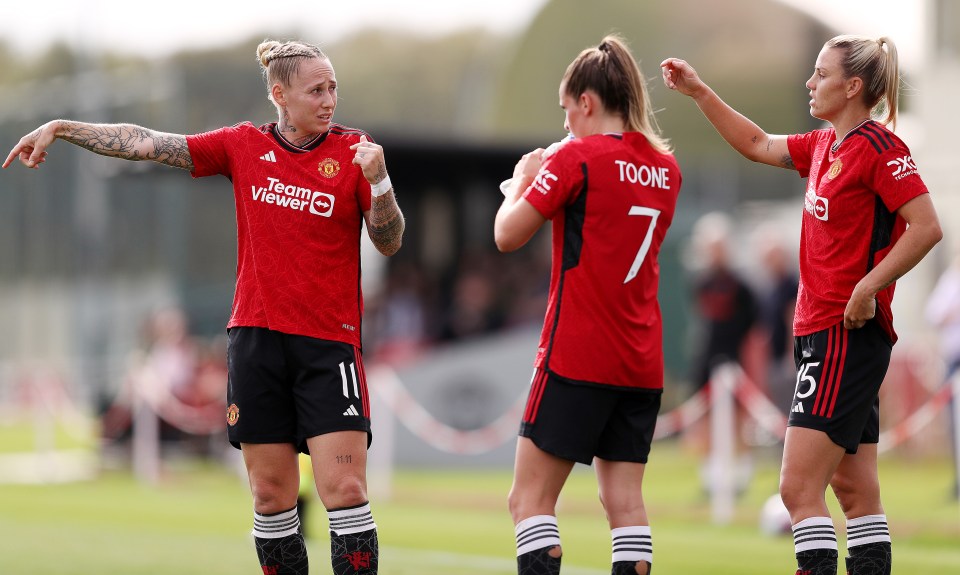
(578, 421)
(839, 372)
(284, 388)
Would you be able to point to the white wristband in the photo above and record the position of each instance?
(378, 189)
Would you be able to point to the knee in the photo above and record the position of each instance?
(523, 505)
(792, 491)
(272, 494)
(856, 498)
(345, 491)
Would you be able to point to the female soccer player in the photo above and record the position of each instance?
(303, 187)
(868, 219)
(610, 193)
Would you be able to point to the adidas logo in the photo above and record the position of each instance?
(269, 157)
(798, 408)
(351, 410)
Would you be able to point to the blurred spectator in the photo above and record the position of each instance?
(943, 312)
(778, 302)
(723, 301)
(474, 307)
(727, 309)
(398, 320)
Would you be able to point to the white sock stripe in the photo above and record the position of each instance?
(635, 530)
(351, 511)
(537, 532)
(814, 533)
(867, 529)
(866, 520)
(349, 521)
(632, 544)
(813, 522)
(867, 540)
(276, 526)
(283, 515)
(535, 520)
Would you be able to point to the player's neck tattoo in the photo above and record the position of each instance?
(285, 125)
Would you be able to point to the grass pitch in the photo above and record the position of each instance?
(436, 522)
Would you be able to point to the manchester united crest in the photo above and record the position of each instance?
(835, 168)
(329, 168)
(233, 414)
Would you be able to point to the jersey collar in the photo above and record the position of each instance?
(291, 147)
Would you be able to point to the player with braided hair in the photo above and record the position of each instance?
(304, 187)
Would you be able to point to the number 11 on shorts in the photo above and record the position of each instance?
(353, 376)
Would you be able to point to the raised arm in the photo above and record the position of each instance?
(126, 141)
(385, 223)
(738, 130)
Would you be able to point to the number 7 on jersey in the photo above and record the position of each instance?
(647, 240)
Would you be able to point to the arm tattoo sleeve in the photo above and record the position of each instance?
(130, 142)
(386, 224)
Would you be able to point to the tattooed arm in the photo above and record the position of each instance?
(126, 141)
(384, 220)
(385, 223)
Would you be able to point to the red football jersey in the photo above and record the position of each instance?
(850, 221)
(299, 218)
(610, 198)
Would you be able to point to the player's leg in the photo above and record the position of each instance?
(274, 482)
(339, 462)
(261, 422)
(856, 484)
(538, 479)
(621, 493)
(333, 422)
(810, 458)
(620, 461)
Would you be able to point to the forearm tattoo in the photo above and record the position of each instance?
(381, 173)
(130, 142)
(386, 224)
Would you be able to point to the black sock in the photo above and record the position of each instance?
(354, 549)
(628, 568)
(280, 545)
(817, 562)
(538, 562)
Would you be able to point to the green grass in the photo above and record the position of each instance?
(437, 522)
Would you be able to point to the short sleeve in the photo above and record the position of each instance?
(556, 184)
(209, 152)
(894, 177)
(801, 147)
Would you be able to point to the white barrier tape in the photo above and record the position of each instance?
(759, 407)
(916, 421)
(385, 382)
(684, 415)
(388, 386)
(769, 417)
(193, 419)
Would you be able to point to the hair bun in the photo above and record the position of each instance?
(264, 51)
